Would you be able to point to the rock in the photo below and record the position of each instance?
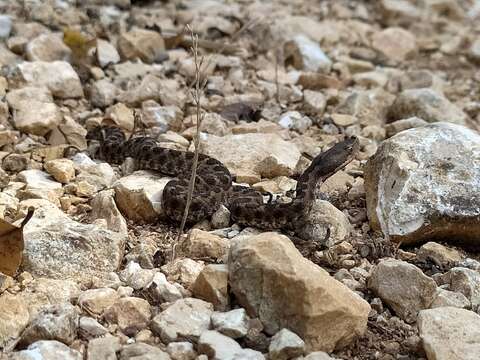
(131, 314)
(265, 268)
(404, 124)
(161, 290)
(140, 351)
(370, 107)
(221, 217)
(450, 298)
(323, 219)
(429, 179)
(164, 117)
(34, 111)
(285, 345)
(181, 351)
(47, 350)
(440, 255)
(5, 26)
(264, 154)
(474, 51)
(95, 301)
(314, 102)
(185, 319)
(121, 115)
(466, 282)
(318, 355)
(103, 93)
(139, 195)
(106, 53)
(103, 348)
(295, 121)
(90, 328)
(403, 287)
(184, 271)
(217, 346)
(450, 333)
(144, 44)
(427, 105)
(305, 54)
(53, 322)
(101, 250)
(344, 119)
(200, 244)
(233, 323)
(58, 76)
(136, 277)
(47, 47)
(104, 208)
(61, 169)
(212, 285)
(396, 44)
(13, 318)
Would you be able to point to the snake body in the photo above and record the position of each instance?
(214, 183)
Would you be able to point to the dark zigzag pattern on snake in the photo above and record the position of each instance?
(213, 185)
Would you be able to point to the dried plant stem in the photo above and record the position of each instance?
(197, 95)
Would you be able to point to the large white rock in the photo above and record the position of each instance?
(449, 333)
(423, 183)
(58, 76)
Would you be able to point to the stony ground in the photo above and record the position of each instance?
(386, 264)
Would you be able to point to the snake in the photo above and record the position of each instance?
(214, 184)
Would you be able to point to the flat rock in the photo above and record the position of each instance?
(34, 111)
(142, 351)
(95, 301)
(450, 333)
(440, 255)
(395, 43)
(422, 184)
(426, 104)
(403, 286)
(267, 155)
(264, 269)
(47, 349)
(47, 47)
(58, 247)
(58, 76)
(185, 319)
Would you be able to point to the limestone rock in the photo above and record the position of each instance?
(264, 269)
(81, 250)
(201, 244)
(323, 219)
(95, 301)
(131, 314)
(450, 333)
(160, 290)
(264, 154)
(103, 348)
(212, 285)
(61, 169)
(144, 44)
(295, 121)
(139, 195)
(314, 102)
(426, 104)
(181, 351)
(395, 43)
(121, 115)
(404, 124)
(421, 184)
(5, 26)
(13, 318)
(41, 184)
(58, 76)
(465, 281)
(285, 345)
(305, 54)
(47, 349)
(47, 47)
(221, 347)
(34, 111)
(142, 351)
(103, 93)
(403, 286)
(185, 319)
(233, 323)
(440, 255)
(106, 53)
(104, 208)
(90, 328)
(450, 298)
(184, 271)
(53, 322)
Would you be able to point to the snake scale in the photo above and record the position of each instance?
(214, 183)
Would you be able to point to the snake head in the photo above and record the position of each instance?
(340, 154)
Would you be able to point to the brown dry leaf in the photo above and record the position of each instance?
(11, 245)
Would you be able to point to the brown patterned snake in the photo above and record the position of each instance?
(213, 185)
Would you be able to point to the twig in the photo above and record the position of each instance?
(196, 94)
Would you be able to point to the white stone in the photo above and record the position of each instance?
(306, 55)
(106, 53)
(233, 323)
(47, 349)
(285, 345)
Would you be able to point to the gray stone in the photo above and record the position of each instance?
(450, 298)
(465, 281)
(89, 328)
(53, 322)
(305, 54)
(103, 348)
(450, 333)
(403, 286)
(422, 184)
(181, 351)
(295, 121)
(285, 345)
(47, 47)
(233, 323)
(47, 350)
(103, 93)
(426, 104)
(5, 26)
(217, 346)
(131, 314)
(106, 53)
(440, 255)
(95, 301)
(141, 351)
